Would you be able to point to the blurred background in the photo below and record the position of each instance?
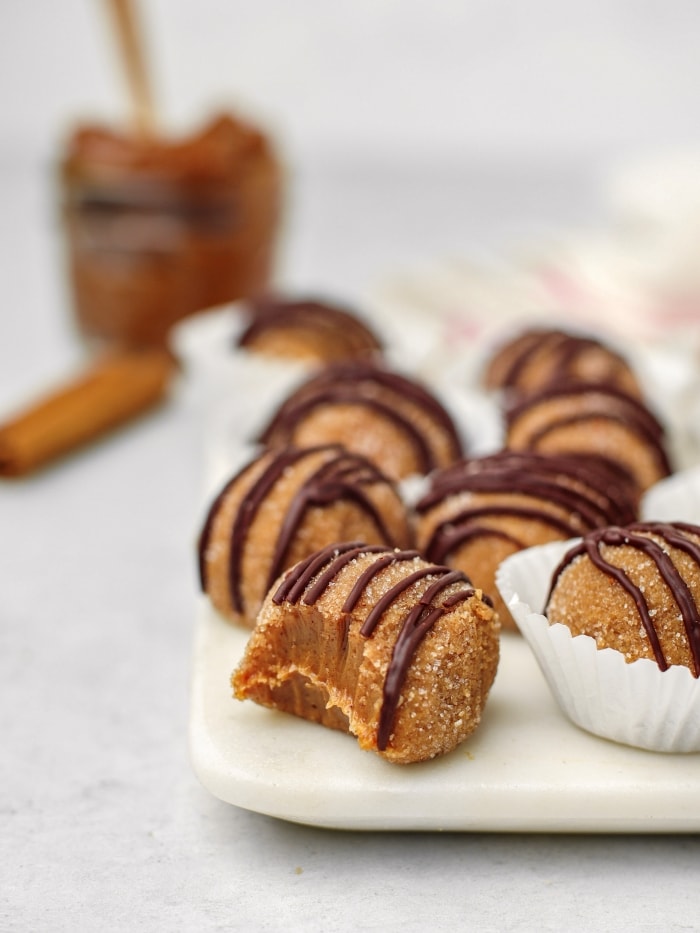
(396, 79)
(421, 143)
(408, 131)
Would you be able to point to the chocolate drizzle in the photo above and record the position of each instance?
(601, 402)
(272, 313)
(563, 352)
(587, 491)
(637, 536)
(369, 573)
(415, 627)
(457, 530)
(308, 580)
(364, 384)
(342, 476)
(207, 528)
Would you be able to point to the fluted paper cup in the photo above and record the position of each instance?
(635, 704)
(674, 499)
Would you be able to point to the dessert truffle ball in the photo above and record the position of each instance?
(634, 589)
(283, 506)
(584, 419)
(537, 358)
(307, 330)
(376, 642)
(480, 511)
(389, 418)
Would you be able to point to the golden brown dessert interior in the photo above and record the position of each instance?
(377, 642)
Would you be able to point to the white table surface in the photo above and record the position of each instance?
(103, 824)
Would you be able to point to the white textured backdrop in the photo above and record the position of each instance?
(480, 77)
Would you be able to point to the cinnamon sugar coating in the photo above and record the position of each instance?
(480, 511)
(539, 357)
(307, 330)
(585, 419)
(387, 417)
(281, 507)
(376, 642)
(636, 590)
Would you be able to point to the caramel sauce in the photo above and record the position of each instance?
(161, 228)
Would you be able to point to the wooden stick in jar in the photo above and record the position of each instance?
(130, 46)
(115, 389)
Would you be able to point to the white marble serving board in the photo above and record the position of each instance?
(526, 769)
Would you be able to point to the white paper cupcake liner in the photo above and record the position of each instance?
(635, 704)
(675, 499)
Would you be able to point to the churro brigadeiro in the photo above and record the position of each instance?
(376, 642)
(284, 505)
(307, 330)
(391, 419)
(539, 357)
(635, 589)
(480, 511)
(584, 419)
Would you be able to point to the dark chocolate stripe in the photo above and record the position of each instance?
(345, 395)
(324, 579)
(414, 628)
(529, 344)
(638, 411)
(636, 426)
(382, 604)
(342, 476)
(357, 383)
(600, 487)
(338, 479)
(246, 515)
(518, 483)
(358, 371)
(564, 350)
(205, 534)
(445, 540)
(467, 515)
(369, 573)
(270, 313)
(301, 574)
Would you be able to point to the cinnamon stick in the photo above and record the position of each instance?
(118, 387)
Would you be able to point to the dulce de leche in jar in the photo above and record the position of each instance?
(159, 229)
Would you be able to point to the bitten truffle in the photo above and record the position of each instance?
(376, 642)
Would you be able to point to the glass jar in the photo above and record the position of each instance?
(157, 230)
